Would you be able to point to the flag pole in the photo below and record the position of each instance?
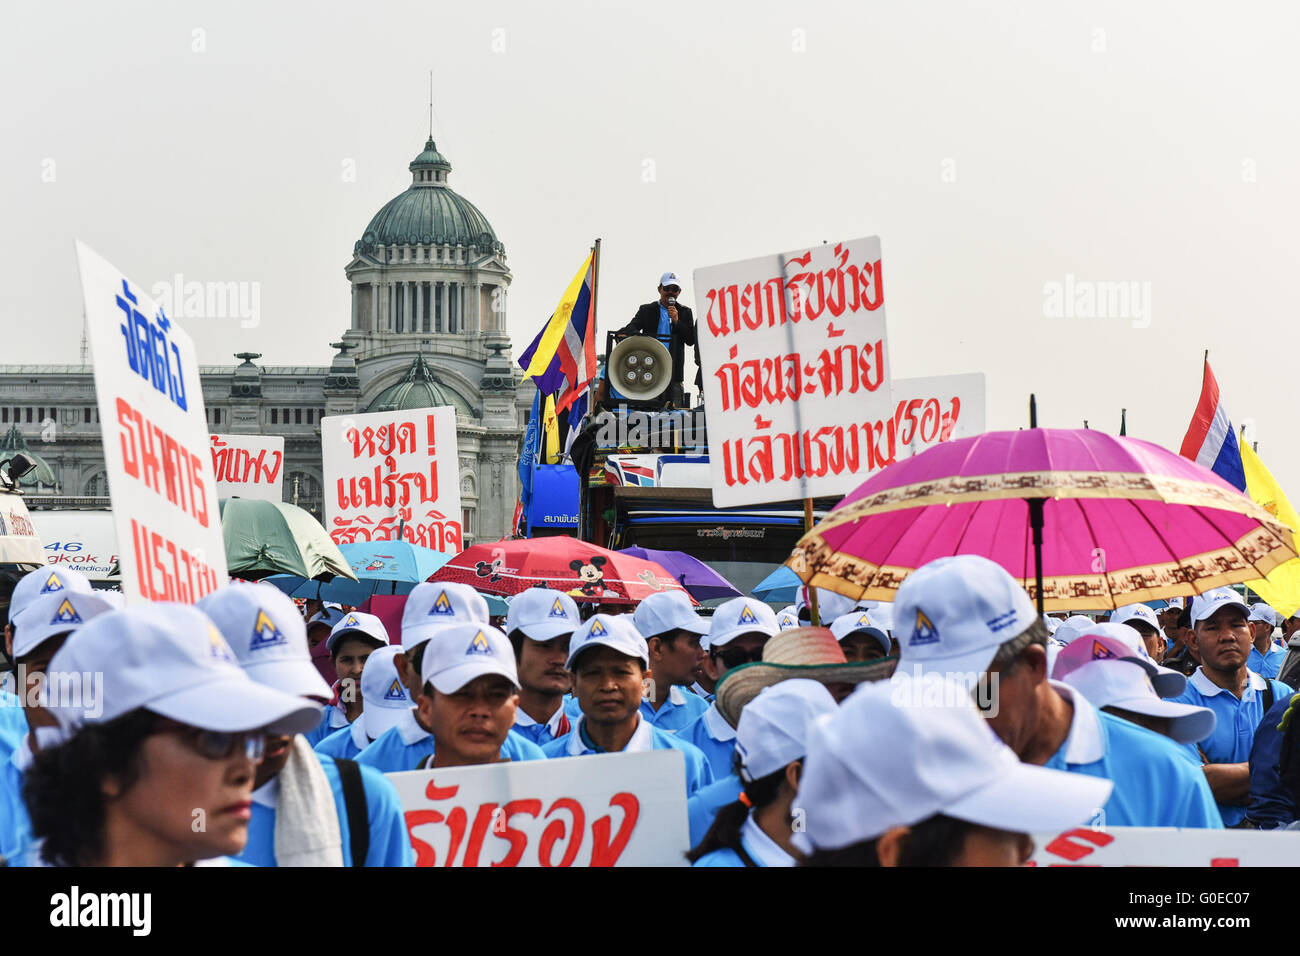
(1036, 519)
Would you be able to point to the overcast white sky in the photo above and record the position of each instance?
(994, 148)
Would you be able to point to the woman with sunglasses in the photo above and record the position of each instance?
(161, 732)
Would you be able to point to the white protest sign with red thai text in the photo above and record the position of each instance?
(249, 466)
(155, 438)
(935, 409)
(1157, 846)
(794, 355)
(391, 470)
(598, 810)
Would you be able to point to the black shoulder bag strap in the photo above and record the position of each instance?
(354, 799)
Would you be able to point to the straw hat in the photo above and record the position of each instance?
(809, 652)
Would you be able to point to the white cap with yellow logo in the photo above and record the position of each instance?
(461, 653)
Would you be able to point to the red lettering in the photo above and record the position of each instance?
(1062, 846)
(482, 820)
(603, 852)
(127, 438)
(555, 831)
(518, 839)
(424, 853)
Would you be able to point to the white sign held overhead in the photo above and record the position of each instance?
(19, 541)
(249, 466)
(935, 409)
(391, 470)
(604, 810)
(796, 372)
(155, 437)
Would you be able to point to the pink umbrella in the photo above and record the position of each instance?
(1122, 521)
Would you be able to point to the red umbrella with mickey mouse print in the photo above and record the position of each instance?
(584, 571)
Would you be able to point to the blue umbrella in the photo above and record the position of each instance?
(779, 587)
(381, 567)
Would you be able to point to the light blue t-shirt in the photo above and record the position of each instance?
(647, 737)
(390, 844)
(1234, 733)
(13, 722)
(713, 737)
(665, 323)
(339, 744)
(1155, 784)
(390, 753)
(704, 806)
(680, 710)
(1266, 665)
(15, 822)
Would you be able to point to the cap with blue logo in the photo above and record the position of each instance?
(1259, 611)
(773, 728)
(358, 624)
(170, 659)
(615, 631)
(264, 629)
(670, 278)
(46, 581)
(739, 616)
(1135, 612)
(50, 615)
(460, 653)
(951, 615)
(329, 615)
(1124, 684)
(1106, 642)
(859, 622)
(666, 612)
(1205, 605)
(433, 605)
(787, 618)
(384, 698)
(542, 614)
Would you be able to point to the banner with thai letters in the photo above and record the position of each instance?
(391, 475)
(1156, 846)
(794, 354)
(249, 466)
(934, 409)
(155, 436)
(598, 810)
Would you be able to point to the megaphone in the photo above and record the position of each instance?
(639, 371)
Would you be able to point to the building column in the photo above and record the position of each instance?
(446, 314)
(374, 306)
(478, 305)
(354, 306)
(418, 325)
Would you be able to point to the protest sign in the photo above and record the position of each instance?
(598, 810)
(155, 437)
(19, 542)
(386, 471)
(794, 356)
(934, 409)
(249, 466)
(83, 540)
(1165, 846)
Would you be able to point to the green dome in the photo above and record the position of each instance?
(14, 443)
(419, 389)
(429, 212)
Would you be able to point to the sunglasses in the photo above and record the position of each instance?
(736, 656)
(215, 744)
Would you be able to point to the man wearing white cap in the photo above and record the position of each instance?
(31, 641)
(737, 632)
(430, 607)
(966, 618)
(539, 624)
(1265, 657)
(465, 709)
(908, 775)
(672, 631)
(351, 640)
(787, 617)
(308, 809)
(1143, 620)
(669, 321)
(860, 638)
(1238, 696)
(771, 741)
(608, 659)
(384, 700)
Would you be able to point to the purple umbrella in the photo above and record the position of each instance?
(700, 580)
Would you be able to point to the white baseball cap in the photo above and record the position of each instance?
(1072, 627)
(609, 630)
(1204, 605)
(264, 629)
(1124, 684)
(1051, 622)
(459, 653)
(953, 614)
(1105, 642)
(882, 614)
(358, 624)
(670, 278)
(1177, 602)
(327, 616)
(59, 612)
(1259, 611)
(859, 622)
(172, 660)
(773, 727)
(384, 697)
(739, 616)
(543, 614)
(885, 759)
(787, 618)
(45, 581)
(830, 604)
(668, 611)
(433, 605)
(1135, 612)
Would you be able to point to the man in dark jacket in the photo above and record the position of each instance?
(663, 320)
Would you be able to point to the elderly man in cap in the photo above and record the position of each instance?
(608, 659)
(465, 709)
(31, 640)
(309, 809)
(1265, 657)
(1238, 696)
(672, 631)
(965, 618)
(670, 322)
(539, 624)
(383, 701)
(350, 642)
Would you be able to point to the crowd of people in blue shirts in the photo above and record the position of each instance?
(942, 729)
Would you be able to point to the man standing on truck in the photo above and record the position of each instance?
(671, 323)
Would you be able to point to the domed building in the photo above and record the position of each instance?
(426, 328)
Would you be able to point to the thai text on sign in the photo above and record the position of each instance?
(248, 466)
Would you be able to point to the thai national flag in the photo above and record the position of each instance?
(562, 358)
(1211, 440)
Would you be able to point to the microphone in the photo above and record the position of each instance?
(672, 300)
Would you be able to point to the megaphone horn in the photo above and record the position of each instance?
(640, 368)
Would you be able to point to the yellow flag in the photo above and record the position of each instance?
(1281, 589)
(548, 341)
(552, 431)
